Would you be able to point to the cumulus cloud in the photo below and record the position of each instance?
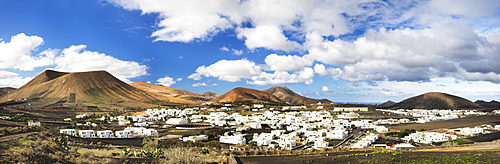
(326, 89)
(77, 59)
(237, 70)
(12, 79)
(304, 76)
(356, 40)
(203, 84)
(17, 54)
(168, 81)
(286, 62)
(228, 70)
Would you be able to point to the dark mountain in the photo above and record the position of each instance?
(436, 100)
(388, 103)
(6, 90)
(291, 97)
(482, 102)
(245, 94)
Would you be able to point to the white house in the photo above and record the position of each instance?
(105, 134)
(337, 134)
(429, 137)
(472, 131)
(262, 139)
(71, 132)
(236, 139)
(137, 130)
(86, 133)
(176, 121)
(123, 134)
(380, 129)
(150, 132)
(320, 144)
(34, 123)
(195, 138)
(287, 142)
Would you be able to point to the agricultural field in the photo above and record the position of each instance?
(381, 157)
(461, 122)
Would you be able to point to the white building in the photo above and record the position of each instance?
(429, 137)
(337, 134)
(195, 138)
(236, 139)
(105, 134)
(34, 123)
(176, 121)
(320, 144)
(86, 133)
(287, 142)
(123, 134)
(149, 132)
(472, 131)
(71, 132)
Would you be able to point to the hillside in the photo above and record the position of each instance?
(436, 100)
(291, 97)
(52, 88)
(244, 94)
(6, 90)
(173, 94)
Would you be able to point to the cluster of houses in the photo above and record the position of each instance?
(126, 133)
(366, 141)
(423, 115)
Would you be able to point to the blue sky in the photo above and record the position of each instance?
(345, 51)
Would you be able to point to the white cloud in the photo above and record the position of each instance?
(77, 59)
(234, 51)
(326, 89)
(168, 81)
(304, 76)
(17, 54)
(12, 79)
(374, 40)
(228, 70)
(203, 84)
(186, 21)
(323, 71)
(287, 62)
(270, 37)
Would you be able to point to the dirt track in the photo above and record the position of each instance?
(15, 136)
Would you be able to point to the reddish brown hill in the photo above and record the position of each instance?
(98, 87)
(436, 100)
(173, 94)
(291, 97)
(43, 77)
(245, 94)
(6, 90)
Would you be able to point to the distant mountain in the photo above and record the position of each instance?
(291, 97)
(387, 103)
(209, 94)
(6, 90)
(492, 102)
(245, 94)
(173, 94)
(95, 87)
(436, 100)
